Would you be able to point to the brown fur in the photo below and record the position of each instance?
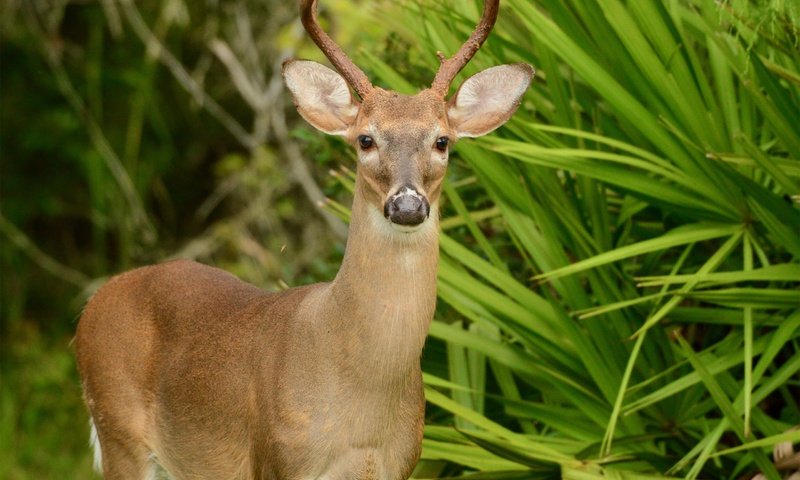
(219, 379)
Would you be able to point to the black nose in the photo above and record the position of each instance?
(407, 207)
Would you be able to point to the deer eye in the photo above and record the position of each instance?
(365, 142)
(441, 143)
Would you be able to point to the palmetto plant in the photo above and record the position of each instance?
(619, 279)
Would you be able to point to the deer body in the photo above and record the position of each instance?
(186, 367)
(327, 384)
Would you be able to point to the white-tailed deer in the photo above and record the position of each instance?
(187, 369)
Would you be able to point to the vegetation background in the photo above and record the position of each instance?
(619, 277)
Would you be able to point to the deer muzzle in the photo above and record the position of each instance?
(407, 207)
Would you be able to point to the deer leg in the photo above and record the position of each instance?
(120, 454)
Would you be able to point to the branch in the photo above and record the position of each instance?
(182, 76)
(48, 263)
(240, 77)
(98, 139)
(249, 87)
(259, 102)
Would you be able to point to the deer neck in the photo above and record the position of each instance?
(384, 296)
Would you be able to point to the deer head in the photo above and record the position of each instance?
(403, 141)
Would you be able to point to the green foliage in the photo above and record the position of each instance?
(619, 277)
(44, 428)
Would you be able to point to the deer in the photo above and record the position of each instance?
(190, 372)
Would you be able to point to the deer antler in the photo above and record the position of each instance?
(449, 68)
(354, 76)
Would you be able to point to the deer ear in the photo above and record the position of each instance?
(321, 96)
(487, 99)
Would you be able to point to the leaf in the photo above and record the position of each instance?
(679, 236)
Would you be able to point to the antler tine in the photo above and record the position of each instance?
(354, 76)
(449, 68)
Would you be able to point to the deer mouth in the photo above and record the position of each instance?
(407, 208)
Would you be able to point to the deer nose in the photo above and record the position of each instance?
(407, 207)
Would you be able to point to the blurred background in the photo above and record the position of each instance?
(619, 278)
